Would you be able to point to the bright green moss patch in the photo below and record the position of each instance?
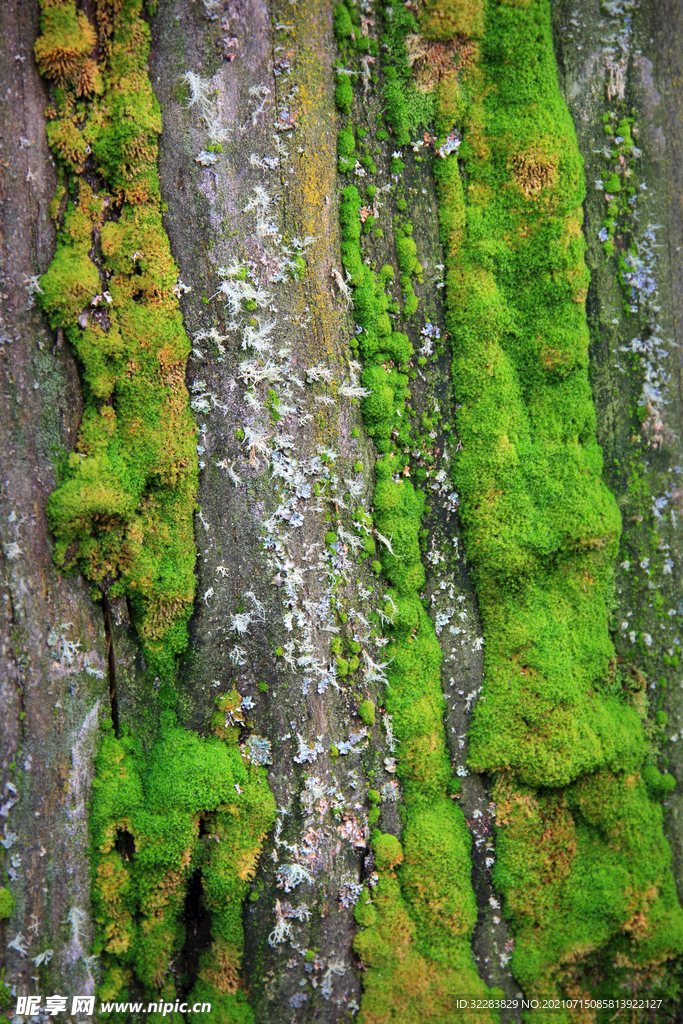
(367, 712)
(658, 784)
(123, 509)
(387, 850)
(346, 149)
(343, 94)
(343, 27)
(6, 904)
(192, 805)
(403, 982)
(581, 857)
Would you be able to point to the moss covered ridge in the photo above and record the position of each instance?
(417, 919)
(123, 509)
(581, 860)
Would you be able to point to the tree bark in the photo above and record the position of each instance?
(264, 613)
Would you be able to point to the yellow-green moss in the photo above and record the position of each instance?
(123, 509)
(581, 856)
(367, 712)
(191, 804)
(441, 20)
(6, 904)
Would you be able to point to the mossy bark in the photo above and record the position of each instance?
(54, 678)
(269, 71)
(640, 463)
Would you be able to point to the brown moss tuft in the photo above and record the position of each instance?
(66, 43)
(88, 78)
(223, 970)
(533, 171)
(430, 62)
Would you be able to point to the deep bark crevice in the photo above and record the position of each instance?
(111, 665)
(125, 844)
(198, 934)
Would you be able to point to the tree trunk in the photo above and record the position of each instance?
(344, 628)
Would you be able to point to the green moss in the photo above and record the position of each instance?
(367, 712)
(658, 785)
(6, 904)
(450, 104)
(72, 280)
(387, 850)
(613, 184)
(346, 149)
(580, 841)
(343, 94)
(64, 46)
(343, 26)
(441, 20)
(145, 826)
(415, 942)
(123, 513)
(6, 994)
(123, 510)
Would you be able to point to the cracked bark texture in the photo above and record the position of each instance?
(277, 58)
(208, 229)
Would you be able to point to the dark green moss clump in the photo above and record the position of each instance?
(582, 860)
(123, 509)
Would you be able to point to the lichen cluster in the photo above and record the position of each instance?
(123, 509)
(581, 856)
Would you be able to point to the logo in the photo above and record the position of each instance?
(29, 1006)
(83, 1004)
